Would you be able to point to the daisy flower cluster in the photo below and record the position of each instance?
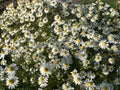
(57, 45)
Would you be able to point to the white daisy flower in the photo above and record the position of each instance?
(98, 57)
(57, 30)
(66, 86)
(46, 10)
(77, 80)
(55, 50)
(32, 18)
(57, 17)
(74, 73)
(106, 86)
(3, 62)
(45, 69)
(56, 63)
(78, 41)
(114, 48)
(105, 70)
(103, 44)
(91, 75)
(89, 84)
(111, 60)
(64, 52)
(85, 62)
(53, 3)
(111, 38)
(2, 54)
(42, 81)
(41, 24)
(83, 55)
(11, 69)
(12, 82)
(45, 20)
(39, 49)
(65, 65)
(65, 5)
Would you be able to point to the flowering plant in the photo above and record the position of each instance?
(51, 45)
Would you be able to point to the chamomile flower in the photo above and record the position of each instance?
(103, 44)
(12, 82)
(3, 62)
(56, 63)
(46, 10)
(43, 81)
(89, 84)
(111, 38)
(106, 86)
(66, 86)
(91, 75)
(45, 20)
(111, 60)
(41, 24)
(117, 81)
(77, 80)
(85, 63)
(57, 17)
(98, 57)
(55, 50)
(65, 5)
(61, 40)
(78, 41)
(114, 48)
(83, 55)
(74, 73)
(64, 52)
(65, 65)
(45, 69)
(2, 54)
(53, 3)
(39, 50)
(105, 70)
(11, 69)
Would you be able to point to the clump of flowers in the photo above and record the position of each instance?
(50, 44)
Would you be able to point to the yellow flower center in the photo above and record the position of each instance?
(83, 55)
(45, 69)
(74, 73)
(103, 44)
(85, 62)
(89, 84)
(64, 52)
(115, 48)
(66, 87)
(11, 81)
(10, 68)
(57, 62)
(38, 49)
(55, 50)
(105, 88)
(68, 44)
(97, 58)
(91, 43)
(65, 65)
(110, 37)
(42, 78)
(77, 79)
(78, 40)
(83, 32)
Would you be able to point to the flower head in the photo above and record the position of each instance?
(12, 82)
